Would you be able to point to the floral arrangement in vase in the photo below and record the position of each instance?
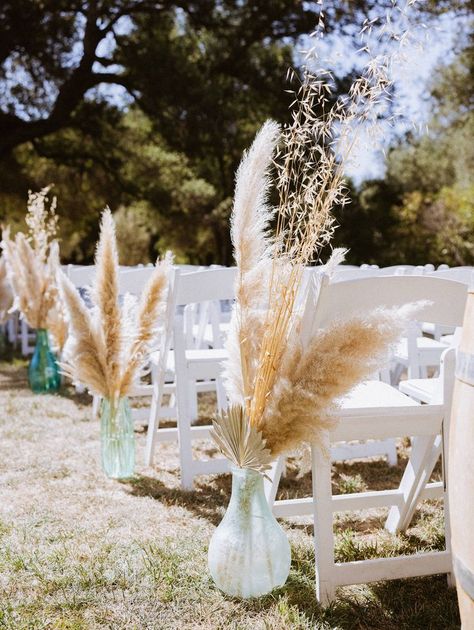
(283, 379)
(32, 261)
(110, 344)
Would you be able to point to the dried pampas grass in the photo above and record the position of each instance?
(251, 218)
(110, 344)
(287, 392)
(312, 381)
(32, 262)
(6, 292)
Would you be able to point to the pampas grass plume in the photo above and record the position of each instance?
(102, 356)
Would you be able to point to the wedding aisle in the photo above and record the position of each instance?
(80, 551)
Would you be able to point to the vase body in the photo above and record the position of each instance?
(117, 439)
(43, 370)
(249, 553)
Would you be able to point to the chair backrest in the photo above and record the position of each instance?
(396, 270)
(132, 280)
(204, 286)
(445, 299)
(460, 274)
(341, 275)
(81, 276)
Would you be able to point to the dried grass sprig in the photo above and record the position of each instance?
(102, 354)
(42, 221)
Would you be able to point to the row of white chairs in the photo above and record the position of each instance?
(189, 361)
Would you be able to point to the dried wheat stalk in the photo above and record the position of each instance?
(102, 354)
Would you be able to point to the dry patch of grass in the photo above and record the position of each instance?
(79, 551)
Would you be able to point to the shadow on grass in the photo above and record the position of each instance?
(419, 603)
(207, 501)
(13, 376)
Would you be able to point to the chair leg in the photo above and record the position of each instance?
(184, 435)
(193, 401)
(153, 424)
(323, 525)
(24, 338)
(416, 476)
(391, 447)
(271, 487)
(95, 407)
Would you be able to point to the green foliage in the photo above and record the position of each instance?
(423, 211)
(437, 226)
(202, 76)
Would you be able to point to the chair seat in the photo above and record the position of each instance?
(376, 410)
(372, 394)
(429, 350)
(421, 389)
(431, 329)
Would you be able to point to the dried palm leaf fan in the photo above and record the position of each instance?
(282, 393)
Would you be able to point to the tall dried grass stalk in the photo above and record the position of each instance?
(103, 354)
(313, 152)
(32, 261)
(6, 292)
(263, 345)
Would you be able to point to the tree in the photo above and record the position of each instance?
(44, 79)
(426, 196)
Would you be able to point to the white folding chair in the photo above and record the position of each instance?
(378, 410)
(192, 367)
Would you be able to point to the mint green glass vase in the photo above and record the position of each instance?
(43, 372)
(117, 438)
(249, 553)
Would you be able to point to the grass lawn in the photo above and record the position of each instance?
(79, 551)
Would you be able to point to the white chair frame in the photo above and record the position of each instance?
(190, 367)
(427, 424)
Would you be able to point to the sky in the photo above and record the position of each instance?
(412, 78)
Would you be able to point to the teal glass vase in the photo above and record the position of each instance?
(249, 553)
(43, 372)
(117, 438)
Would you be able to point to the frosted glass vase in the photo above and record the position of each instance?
(249, 553)
(43, 370)
(117, 439)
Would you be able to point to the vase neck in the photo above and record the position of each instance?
(111, 406)
(247, 486)
(42, 337)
